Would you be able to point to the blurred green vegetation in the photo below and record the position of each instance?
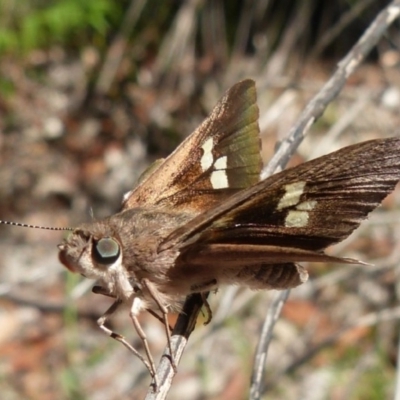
(40, 23)
(27, 25)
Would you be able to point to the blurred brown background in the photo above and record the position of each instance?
(91, 93)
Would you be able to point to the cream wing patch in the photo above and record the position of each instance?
(218, 177)
(306, 205)
(207, 159)
(296, 219)
(219, 180)
(299, 217)
(221, 163)
(292, 195)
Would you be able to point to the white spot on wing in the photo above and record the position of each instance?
(219, 179)
(299, 217)
(292, 195)
(296, 219)
(221, 163)
(207, 159)
(306, 205)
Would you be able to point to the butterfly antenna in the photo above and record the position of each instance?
(50, 228)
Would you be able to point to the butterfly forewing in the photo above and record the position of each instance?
(220, 158)
(310, 206)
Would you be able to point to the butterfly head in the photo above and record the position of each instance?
(83, 252)
(95, 251)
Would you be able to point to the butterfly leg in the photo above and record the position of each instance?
(101, 323)
(100, 290)
(135, 310)
(156, 316)
(164, 312)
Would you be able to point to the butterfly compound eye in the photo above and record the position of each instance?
(106, 251)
